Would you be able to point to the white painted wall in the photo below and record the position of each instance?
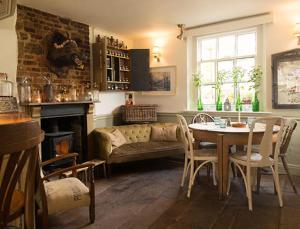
(9, 48)
(277, 37)
(109, 101)
(173, 52)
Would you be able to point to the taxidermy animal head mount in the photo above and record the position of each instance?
(63, 53)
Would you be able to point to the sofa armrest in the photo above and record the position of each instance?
(103, 145)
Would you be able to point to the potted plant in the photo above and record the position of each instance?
(237, 75)
(221, 76)
(255, 78)
(197, 84)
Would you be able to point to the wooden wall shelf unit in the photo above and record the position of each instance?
(115, 68)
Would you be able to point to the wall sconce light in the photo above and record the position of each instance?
(156, 53)
(297, 32)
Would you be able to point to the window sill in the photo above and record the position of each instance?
(228, 113)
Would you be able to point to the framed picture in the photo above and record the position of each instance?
(162, 81)
(7, 8)
(286, 79)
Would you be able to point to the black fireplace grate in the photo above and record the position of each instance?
(55, 144)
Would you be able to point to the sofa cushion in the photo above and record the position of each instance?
(164, 133)
(145, 147)
(136, 133)
(117, 138)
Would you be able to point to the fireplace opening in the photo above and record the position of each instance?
(56, 144)
(64, 135)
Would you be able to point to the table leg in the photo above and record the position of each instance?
(220, 138)
(196, 144)
(225, 166)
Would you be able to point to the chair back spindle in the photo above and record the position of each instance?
(266, 144)
(202, 117)
(18, 155)
(287, 135)
(186, 136)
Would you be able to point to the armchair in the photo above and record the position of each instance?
(60, 195)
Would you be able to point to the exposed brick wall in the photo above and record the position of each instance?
(33, 27)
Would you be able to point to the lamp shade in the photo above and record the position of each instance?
(156, 50)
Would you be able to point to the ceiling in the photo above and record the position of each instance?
(141, 18)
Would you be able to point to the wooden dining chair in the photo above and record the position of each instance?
(18, 158)
(204, 156)
(262, 158)
(204, 118)
(286, 138)
(66, 193)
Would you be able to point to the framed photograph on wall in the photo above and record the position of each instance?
(7, 8)
(162, 81)
(286, 79)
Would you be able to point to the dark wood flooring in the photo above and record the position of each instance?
(148, 195)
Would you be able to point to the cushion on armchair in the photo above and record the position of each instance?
(66, 194)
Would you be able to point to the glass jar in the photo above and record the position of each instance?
(36, 95)
(73, 92)
(25, 91)
(95, 92)
(6, 86)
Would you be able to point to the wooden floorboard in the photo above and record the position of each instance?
(148, 195)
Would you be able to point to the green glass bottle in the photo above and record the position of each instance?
(238, 103)
(219, 103)
(255, 103)
(199, 101)
(199, 104)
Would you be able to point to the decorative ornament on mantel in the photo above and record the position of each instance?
(64, 54)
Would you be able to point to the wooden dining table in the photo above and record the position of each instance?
(224, 138)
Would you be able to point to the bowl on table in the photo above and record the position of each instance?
(238, 124)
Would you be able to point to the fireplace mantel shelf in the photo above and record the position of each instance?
(56, 103)
(66, 112)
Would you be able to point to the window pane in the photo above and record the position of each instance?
(208, 72)
(227, 92)
(208, 94)
(226, 66)
(226, 46)
(247, 64)
(208, 49)
(247, 44)
(246, 93)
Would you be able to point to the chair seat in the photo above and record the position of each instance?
(207, 145)
(205, 154)
(65, 194)
(255, 159)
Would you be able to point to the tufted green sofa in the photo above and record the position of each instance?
(138, 147)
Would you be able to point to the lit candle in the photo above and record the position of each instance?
(239, 117)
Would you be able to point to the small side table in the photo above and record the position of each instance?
(96, 163)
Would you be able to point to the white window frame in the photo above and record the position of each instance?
(211, 31)
(256, 56)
